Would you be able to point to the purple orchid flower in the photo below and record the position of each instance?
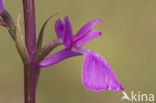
(1, 5)
(97, 74)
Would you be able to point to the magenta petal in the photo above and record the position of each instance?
(59, 28)
(68, 35)
(87, 27)
(57, 57)
(86, 38)
(1, 5)
(97, 74)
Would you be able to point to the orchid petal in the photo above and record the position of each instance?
(59, 28)
(86, 28)
(86, 38)
(57, 57)
(97, 74)
(1, 5)
(68, 35)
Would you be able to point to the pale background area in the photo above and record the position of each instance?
(128, 43)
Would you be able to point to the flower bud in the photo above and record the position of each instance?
(1, 5)
(9, 21)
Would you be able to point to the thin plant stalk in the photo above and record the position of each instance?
(30, 41)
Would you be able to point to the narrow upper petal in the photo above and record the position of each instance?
(97, 74)
(1, 5)
(68, 35)
(58, 57)
(86, 38)
(59, 28)
(87, 28)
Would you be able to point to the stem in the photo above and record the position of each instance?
(29, 85)
(30, 40)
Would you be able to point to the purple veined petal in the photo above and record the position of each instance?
(86, 28)
(58, 57)
(68, 35)
(59, 28)
(97, 74)
(86, 38)
(1, 5)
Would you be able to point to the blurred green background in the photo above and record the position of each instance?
(128, 43)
